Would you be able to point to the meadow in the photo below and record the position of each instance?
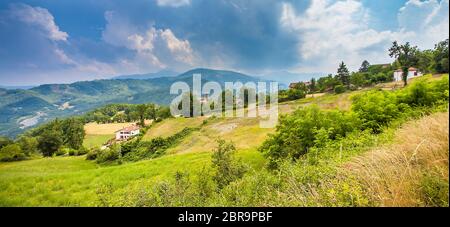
(406, 165)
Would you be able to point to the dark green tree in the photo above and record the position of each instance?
(406, 56)
(141, 113)
(312, 86)
(364, 66)
(441, 55)
(73, 133)
(343, 75)
(49, 142)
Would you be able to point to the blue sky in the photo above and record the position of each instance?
(48, 41)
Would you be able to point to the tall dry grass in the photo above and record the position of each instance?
(413, 170)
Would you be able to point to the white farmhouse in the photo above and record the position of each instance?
(412, 73)
(127, 132)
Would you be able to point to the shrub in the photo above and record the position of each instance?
(109, 155)
(82, 150)
(11, 152)
(339, 89)
(63, 151)
(227, 169)
(306, 128)
(377, 108)
(93, 153)
(72, 152)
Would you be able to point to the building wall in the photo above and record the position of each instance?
(411, 74)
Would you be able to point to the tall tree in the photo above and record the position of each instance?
(406, 56)
(343, 74)
(73, 132)
(441, 57)
(364, 67)
(141, 112)
(312, 85)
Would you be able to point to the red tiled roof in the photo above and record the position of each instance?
(129, 128)
(412, 69)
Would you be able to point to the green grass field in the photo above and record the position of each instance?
(73, 181)
(91, 140)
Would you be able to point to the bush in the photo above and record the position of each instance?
(93, 153)
(11, 152)
(63, 151)
(377, 108)
(306, 128)
(339, 89)
(82, 151)
(109, 155)
(227, 169)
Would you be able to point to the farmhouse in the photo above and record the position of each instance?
(127, 132)
(412, 73)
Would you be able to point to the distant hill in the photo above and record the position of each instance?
(163, 73)
(16, 87)
(21, 109)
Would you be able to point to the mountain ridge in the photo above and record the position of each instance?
(51, 100)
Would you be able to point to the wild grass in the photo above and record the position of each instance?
(411, 172)
(171, 126)
(73, 181)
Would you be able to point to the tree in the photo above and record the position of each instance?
(141, 112)
(312, 86)
(5, 141)
(73, 133)
(343, 75)
(364, 66)
(152, 111)
(29, 145)
(49, 142)
(406, 56)
(441, 57)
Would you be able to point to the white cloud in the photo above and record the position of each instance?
(427, 20)
(154, 48)
(181, 49)
(39, 17)
(173, 3)
(331, 31)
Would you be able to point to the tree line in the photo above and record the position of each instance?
(66, 136)
(405, 56)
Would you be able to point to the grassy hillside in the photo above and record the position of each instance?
(406, 165)
(73, 181)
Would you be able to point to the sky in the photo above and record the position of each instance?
(49, 41)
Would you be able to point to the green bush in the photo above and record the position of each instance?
(305, 128)
(11, 152)
(227, 169)
(339, 89)
(82, 151)
(63, 151)
(109, 155)
(377, 108)
(93, 153)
